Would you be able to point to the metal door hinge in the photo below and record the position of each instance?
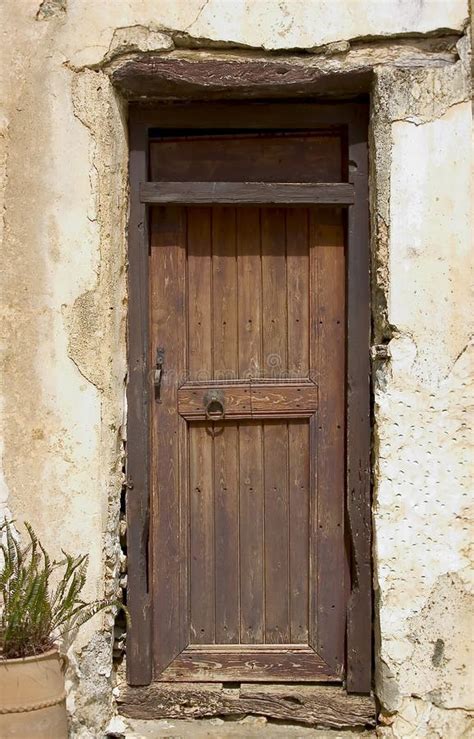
(380, 352)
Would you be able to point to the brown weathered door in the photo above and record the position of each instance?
(248, 532)
(248, 561)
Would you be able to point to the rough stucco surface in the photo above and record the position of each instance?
(63, 199)
(424, 460)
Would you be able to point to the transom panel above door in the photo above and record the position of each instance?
(248, 566)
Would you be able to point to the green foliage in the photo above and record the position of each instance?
(33, 614)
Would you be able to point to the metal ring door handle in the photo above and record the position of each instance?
(214, 405)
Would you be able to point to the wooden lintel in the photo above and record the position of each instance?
(247, 193)
(198, 76)
(315, 705)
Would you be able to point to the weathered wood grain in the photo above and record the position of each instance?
(274, 292)
(325, 706)
(236, 398)
(299, 493)
(227, 534)
(252, 506)
(162, 76)
(266, 115)
(249, 399)
(290, 401)
(139, 636)
(224, 294)
(297, 264)
(249, 292)
(246, 193)
(260, 663)
(202, 536)
(247, 157)
(328, 256)
(359, 621)
(275, 461)
(199, 299)
(168, 488)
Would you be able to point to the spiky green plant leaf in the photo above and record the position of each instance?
(33, 614)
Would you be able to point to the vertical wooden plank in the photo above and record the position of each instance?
(249, 293)
(313, 528)
(277, 626)
(252, 592)
(314, 490)
(202, 542)
(328, 251)
(226, 483)
(298, 458)
(297, 245)
(224, 294)
(274, 304)
(252, 630)
(183, 486)
(275, 434)
(225, 351)
(201, 444)
(139, 636)
(359, 621)
(200, 363)
(168, 330)
(298, 291)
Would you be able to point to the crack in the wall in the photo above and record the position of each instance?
(439, 39)
(199, 13)
(418, 50)
(421, 121)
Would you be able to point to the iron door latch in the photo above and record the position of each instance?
(158, 373)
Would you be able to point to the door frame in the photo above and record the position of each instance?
(352, 120)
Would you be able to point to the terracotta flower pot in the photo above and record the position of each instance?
(32, 697)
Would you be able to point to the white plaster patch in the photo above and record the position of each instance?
(431, 238)
(296, 24)
(423, 410)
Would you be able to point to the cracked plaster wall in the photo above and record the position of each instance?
(63, 177)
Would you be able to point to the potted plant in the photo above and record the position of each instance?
(34, 615)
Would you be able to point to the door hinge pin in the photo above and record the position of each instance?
(380, 352)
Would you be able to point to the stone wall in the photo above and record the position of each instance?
(63, 190)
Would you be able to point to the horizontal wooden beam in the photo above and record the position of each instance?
(196, 664)
(246, 193)
(249, 399)
(325, 705)
(214, 78)
(247, 114)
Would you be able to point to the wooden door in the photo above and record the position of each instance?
(248, 560)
